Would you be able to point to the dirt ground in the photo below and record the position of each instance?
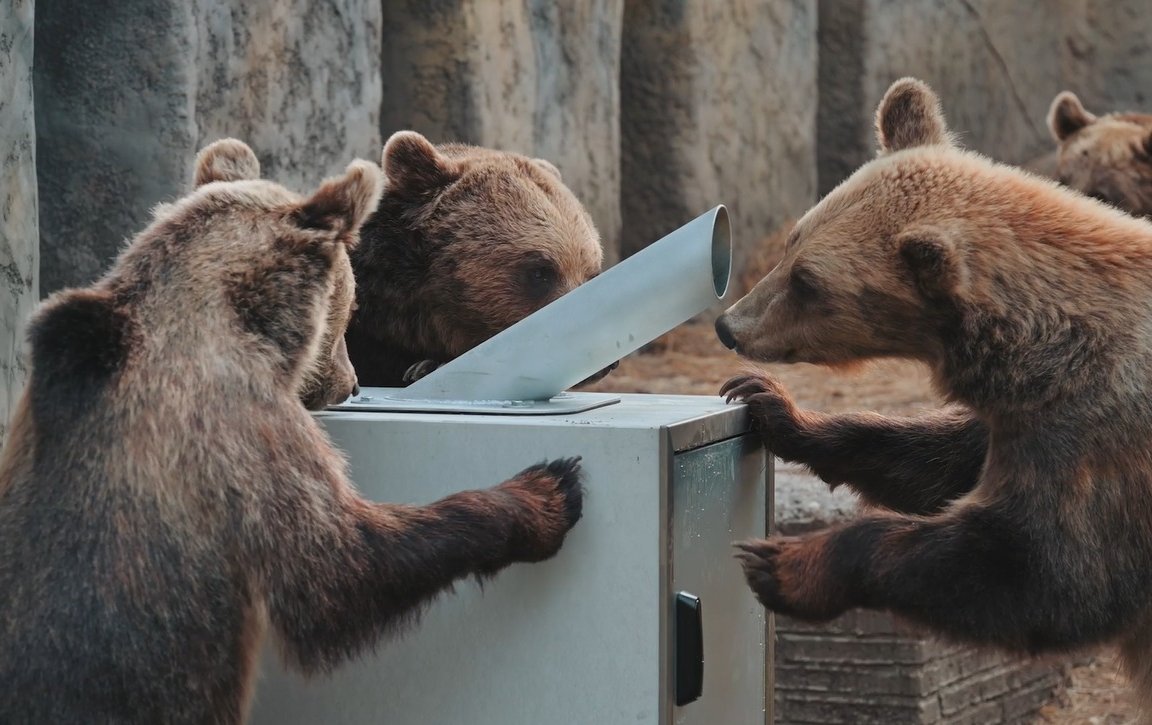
(690, 360)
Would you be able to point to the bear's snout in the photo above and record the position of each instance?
(724, 332)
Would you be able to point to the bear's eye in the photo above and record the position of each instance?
(803, 285)
(538, 278)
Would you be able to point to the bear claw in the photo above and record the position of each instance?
(570, 482)
(419, 370)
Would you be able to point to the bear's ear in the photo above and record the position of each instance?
(413, 166)
(226, 160)
(934, 260)
(79, 339)
(549, 167)
(343, 203)
(909, 116)
(1067, 116)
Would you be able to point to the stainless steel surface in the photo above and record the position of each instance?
(685, 420)
(392, 399)
(708, 427)
(597, 323)
(582, 639)
(719, 495)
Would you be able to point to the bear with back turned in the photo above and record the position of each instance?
(1021, 516)
(164, 496)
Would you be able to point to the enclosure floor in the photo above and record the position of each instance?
(690, 360)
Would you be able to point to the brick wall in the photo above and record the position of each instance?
(868, 667)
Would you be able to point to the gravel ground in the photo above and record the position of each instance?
(690, 360)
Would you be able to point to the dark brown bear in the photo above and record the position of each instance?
(1022, 516)
(466, 241)
(165, 498)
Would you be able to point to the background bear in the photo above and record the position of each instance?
(164, 496)
(1107, 157)
(466, 241)
(1021, 517)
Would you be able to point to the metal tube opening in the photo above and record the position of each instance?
(606, 318)
(721, 252)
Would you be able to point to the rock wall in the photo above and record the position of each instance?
(718, 106)
(996, 64)
(115, 123)
(1107, 54)
(532, 76)
(19, 259)
(654, 111)
(298, 80)
(713, 103)
(127, 95)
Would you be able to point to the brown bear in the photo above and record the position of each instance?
(165, 497)
(1107, 157)
(1020, 516)
(466, 241)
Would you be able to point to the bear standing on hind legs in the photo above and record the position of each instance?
(1022, 517)
(165, 497)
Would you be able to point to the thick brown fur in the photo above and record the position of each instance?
(1106, 157)
(1020, 516)
(466, 241)
(165, 497)
(764, 257)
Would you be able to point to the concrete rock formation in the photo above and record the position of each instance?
(115, 126)
(126, 95)
(19, 258)
(296, 80)
(997, 65)
(538, 78)
(653, 111)
(718, 105)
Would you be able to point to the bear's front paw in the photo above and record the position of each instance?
(761, 386)
(419, 370)
(785, 574)
(550, 500)
(769, 404)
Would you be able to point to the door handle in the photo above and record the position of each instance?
(689, 648)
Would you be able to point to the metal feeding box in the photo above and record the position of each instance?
(643, 608)
(644, 615)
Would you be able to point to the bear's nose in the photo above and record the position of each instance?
(355, 389)
(725, 333)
